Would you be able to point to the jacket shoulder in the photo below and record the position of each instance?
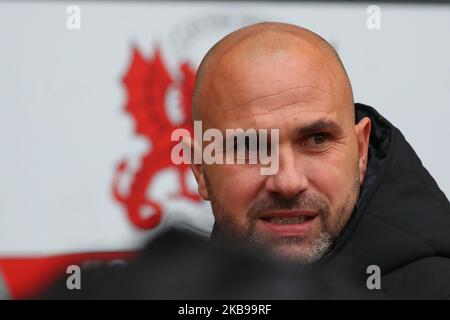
(426, 278)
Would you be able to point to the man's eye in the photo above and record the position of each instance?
(316, 140)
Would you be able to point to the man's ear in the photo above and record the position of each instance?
(198, 169)
(362, 130)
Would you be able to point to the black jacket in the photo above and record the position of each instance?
(401, 222)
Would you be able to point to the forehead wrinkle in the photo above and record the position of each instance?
(308, 95)
(297, 101)
(252, 117)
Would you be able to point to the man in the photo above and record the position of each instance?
(349, 187)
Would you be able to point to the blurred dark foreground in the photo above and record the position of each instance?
(179, 265)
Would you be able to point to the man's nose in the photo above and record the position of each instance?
(290, 178)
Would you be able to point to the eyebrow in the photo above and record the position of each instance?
(320, 125)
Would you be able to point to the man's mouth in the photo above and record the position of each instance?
(288, 223)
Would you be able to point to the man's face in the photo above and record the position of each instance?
(299, 211)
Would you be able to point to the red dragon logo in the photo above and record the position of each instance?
(147, 83)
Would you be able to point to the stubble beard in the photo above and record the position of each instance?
(307, 250)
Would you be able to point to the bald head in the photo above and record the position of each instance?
(263, 41)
